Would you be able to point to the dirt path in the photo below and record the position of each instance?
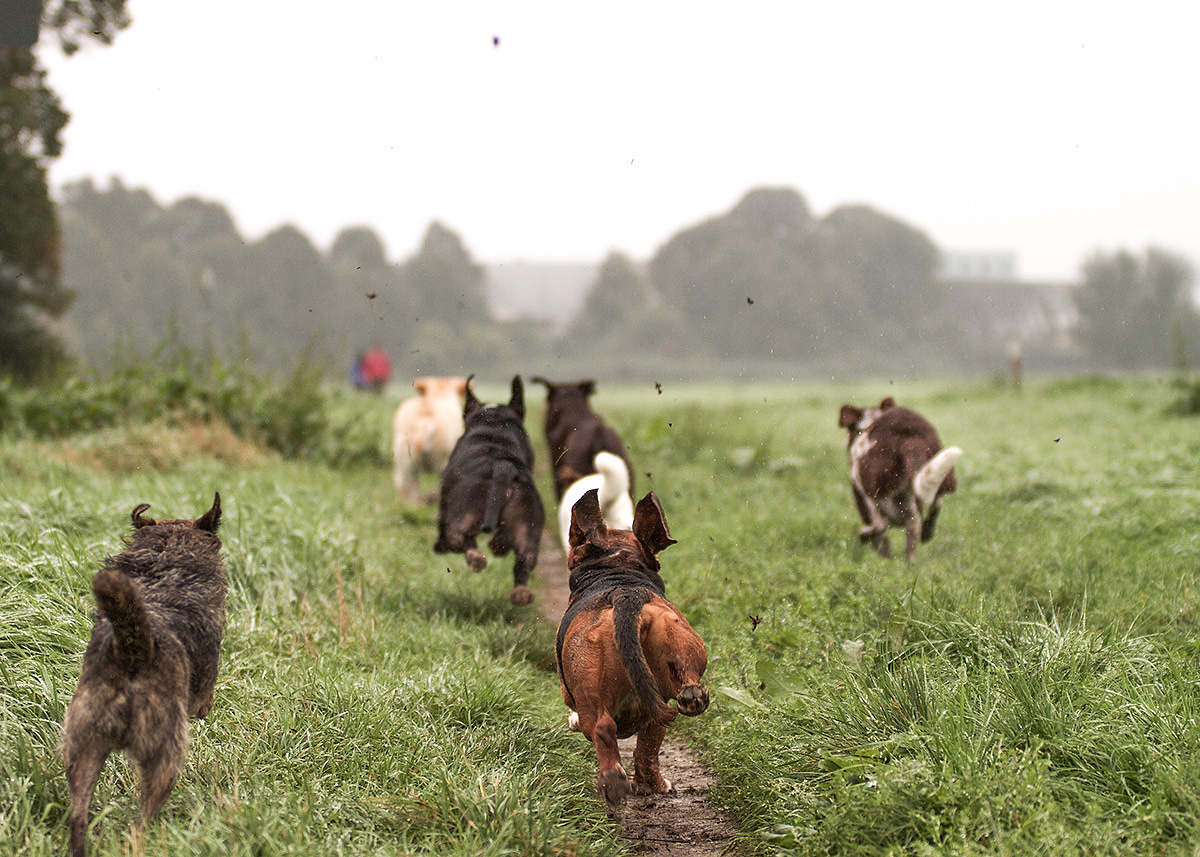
(682, 824)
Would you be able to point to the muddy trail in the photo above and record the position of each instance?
(681, 824)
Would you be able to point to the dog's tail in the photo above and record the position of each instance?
(627, 613)
(616, 477)
(931, 476)
(503, 474)
(121, 603)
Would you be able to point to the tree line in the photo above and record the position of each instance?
(764, 287)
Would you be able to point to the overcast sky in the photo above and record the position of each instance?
(560, 131)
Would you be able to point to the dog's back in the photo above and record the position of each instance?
(151, 661)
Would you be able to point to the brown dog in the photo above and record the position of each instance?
(488, 487)
(623, 649)
(898, 472)
(151, 662)
(575, 433)
(424, 432)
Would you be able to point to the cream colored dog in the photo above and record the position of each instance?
(611, 481)
(425, 430)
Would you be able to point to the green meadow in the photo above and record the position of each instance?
(1029, 685)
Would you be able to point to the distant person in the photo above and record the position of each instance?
(376, 368)
(356, 371)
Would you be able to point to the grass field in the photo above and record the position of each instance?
(1030, 685)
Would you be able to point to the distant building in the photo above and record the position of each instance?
(985, 297)
(988, 266)
(549, 292)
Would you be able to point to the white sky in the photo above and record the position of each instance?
(1050, 129)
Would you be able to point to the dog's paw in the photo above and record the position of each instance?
(662, 787)
(613, 786)
(693, 700)
(573, 721)
(521, 595)
(476, 561)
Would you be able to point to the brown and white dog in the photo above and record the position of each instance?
(575, 433)
(623, 649)
(898, 471)
(424, 432)
(487, 487)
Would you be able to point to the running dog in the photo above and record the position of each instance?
(575, 433)
(487, 487)
(898, 472)
(424, 432)
(151, 662)
(623, 649)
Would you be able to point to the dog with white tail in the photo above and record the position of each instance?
(899, 472)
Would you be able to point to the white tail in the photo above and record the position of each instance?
(930, 477)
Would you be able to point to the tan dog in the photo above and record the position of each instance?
(623, 649)
(424, 432)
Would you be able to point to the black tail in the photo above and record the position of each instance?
(121, 603)
(503, 474)
(627, 612)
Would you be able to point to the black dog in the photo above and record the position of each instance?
(152, 660)
(488, 487)
(575, 433)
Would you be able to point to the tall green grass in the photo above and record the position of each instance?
(1029, 685)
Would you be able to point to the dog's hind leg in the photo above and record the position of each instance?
(83, 764)
(612, 780)
(929, 525)
(647, 779)
(159, 774)
(912, 525)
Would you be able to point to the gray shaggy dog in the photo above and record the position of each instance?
(151, 662)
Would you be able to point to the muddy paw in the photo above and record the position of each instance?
(613, 786)
(521, 595)
(662, 787)
(476, 561)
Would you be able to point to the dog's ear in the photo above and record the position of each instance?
(889, 402)
(588, 387)
(470, 403)
(460, 385)
(538, 379)
(211, 519)
(517, 401)
(421, 385)
(138, 520)
(850, 416)
(650, 525)
(587, 521)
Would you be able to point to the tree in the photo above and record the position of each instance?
(446, 284)
(358, 246)
(744, 281)
(1137, 313)
(31, 122)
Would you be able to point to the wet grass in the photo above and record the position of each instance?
(1029, 685)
